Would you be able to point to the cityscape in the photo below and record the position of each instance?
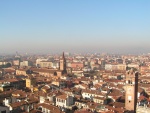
(82, 56)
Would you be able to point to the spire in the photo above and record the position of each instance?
(63, 56)
(62, 62)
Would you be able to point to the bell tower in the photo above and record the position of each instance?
(62, 63)
(131, 90)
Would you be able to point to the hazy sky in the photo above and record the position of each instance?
(75, 25)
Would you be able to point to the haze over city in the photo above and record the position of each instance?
(37, 26)
(74, 56)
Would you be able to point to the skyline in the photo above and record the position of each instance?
(74, 26)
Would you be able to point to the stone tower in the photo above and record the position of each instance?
(131, 90)
(63, 63)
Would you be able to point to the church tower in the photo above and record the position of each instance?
(131, 90)
(63, 63)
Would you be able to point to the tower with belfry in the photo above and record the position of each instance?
(131, 90)
(62, 63)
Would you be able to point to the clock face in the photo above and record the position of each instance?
(129, 98)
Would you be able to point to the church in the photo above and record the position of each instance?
(62, 67)
(47, 72)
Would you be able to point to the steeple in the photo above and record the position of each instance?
(63, 56)
(63, 63)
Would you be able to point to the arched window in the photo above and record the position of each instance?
(129, 82)
(55, 73)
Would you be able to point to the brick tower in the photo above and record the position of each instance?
(131, 90)
(63, 63)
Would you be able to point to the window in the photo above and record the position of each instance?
(129, 101)
(129, 81)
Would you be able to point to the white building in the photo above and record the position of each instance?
(115, 67)
(39, 60)
(64, 101)
(24, 63)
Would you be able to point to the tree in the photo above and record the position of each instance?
(7, 65)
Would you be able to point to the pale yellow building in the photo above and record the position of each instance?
(28, 83)
(45, 64)
(21, 72)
